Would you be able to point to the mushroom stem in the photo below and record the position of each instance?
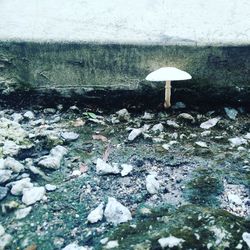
(167, 102)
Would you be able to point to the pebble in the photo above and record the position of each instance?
(246, 238)
(152, 184)
(172, 124)
(2, 230)
(237, 141)
(17, 117)
(96, 214)
(53, 160)
(210, 123)
(29, 115)
(157, 127)
(32, 195)
(19, 186)
(5, 175)
(69, 136)
(112, 244)
(123, 115)
(231, 113)
(75, 246)
(50, 187)
(134, 134)
(126, 169)
(147, 116)
(115, 212)
(10, 148)
(3, 192)
(201, 144)
(170, 242)
(14, 165)
(206, 133)
(187, 117)
(22, 212)
(179, 105)
(103, 168)
(5, 241)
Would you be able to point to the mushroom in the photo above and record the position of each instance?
(168, 74)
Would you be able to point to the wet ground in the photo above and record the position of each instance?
(201, 178)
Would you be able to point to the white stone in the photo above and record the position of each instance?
(134, 134)
(75, 246)
(231, 113)
(157, 127)
(14, 165)
(22, 212)
(206, 133)
(247, 136)
(10, 148)
(112, 244)
(115, 212)
(246, 238)
(32, 195)
(5, 175)
(201, 144)
(170, 242)
(123, 115)
(50, 187)
(29, 115)
(126, 169)
(152, 184)
(103, 168)
(186, 116)
(235, 199)
(69, 136)
(147, 116)
(5, 240)
(237, 141)
(172, 124)
(2, 163)
(2, 230)
(53, 160)
(210, 123)
(17, 117)
(167, 146)
(96, 214)
(19, 186)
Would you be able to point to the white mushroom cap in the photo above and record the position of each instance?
(168, 74)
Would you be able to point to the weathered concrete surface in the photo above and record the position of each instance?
(114, 74)
(188, 22)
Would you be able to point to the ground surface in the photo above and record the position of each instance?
(203, 195)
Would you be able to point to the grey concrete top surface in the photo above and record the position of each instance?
(185, 22)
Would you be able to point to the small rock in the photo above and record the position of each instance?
(14, 165)
(152, 184)
(50, 187)
(3, 192)
(172, 124)
(167, 146)
(235, 199)
(29, 115)
(116, 213)
(247, 136)
(53, 160)
(179, 105)
(96, 214)
(123, 115)
(112, 244)
(201, 144)
(170, 242)
(75, 246)
(19, 186)
(134, 134)
(126, 169)
(5, 175)
(22, 213)
(237, 141)
(2, 230)
(206, 133)
(69, 136)
(231, 113)
(157, 127)
(103, 168)
(5, 241)
(246, 238)
(147, 116)
(10, 148)
(187, 117)
(17, 117)
(210, 123)
(32, 195)
(2, 163)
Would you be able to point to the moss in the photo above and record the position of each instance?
(198, 226)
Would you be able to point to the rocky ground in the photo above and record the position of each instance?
(75, 178)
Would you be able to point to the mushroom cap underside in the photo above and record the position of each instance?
(168, 74)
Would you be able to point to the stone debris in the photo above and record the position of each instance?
(123, 115)
(10, 148)
(201, 144)
(96, 215)
(69, 136)
(29, 115)
(179, 105)
(152, 184)
(32, 195)
(103, 168)
(157, 127)
(170, 242)
(126, 169)
(75, 246)
(115, 212)
(111, 244)
(14, 165)
(134, 134)
(231, 113)
(147, 116)
(173, 124)
(186, 117)
(5, 241)
(246, 238)
(50, 187)
(19, 186)
(5, 176)
(237, 141)
(235, 199)
(167, 146)
(3, 192)
(22, 212)
(210, 123)
(53, 160)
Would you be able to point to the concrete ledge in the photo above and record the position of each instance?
(108, 74)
